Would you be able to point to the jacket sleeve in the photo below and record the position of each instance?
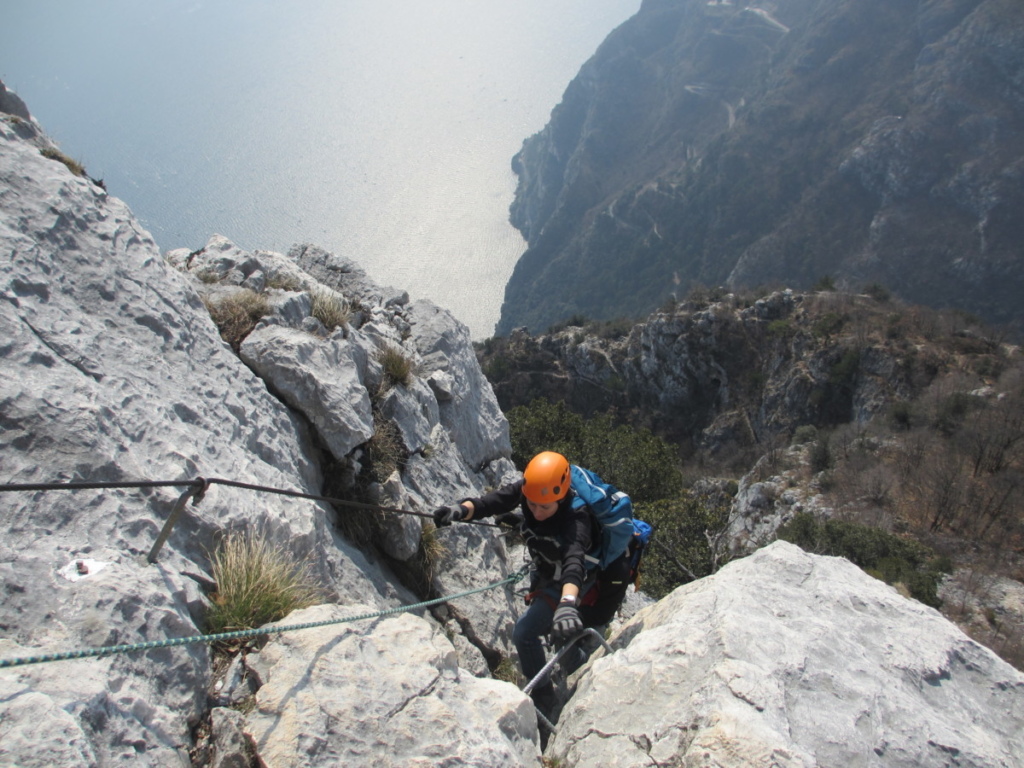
(505, 499)
(576, 532)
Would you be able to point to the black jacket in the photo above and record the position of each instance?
(558, 544)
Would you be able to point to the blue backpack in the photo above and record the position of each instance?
(614, 512)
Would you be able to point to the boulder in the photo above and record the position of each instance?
(318, 378)
(386, 692)
(786, 658)
(468, 407)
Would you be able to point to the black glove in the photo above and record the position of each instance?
(567, 622)
(509, 518)
(447, 515)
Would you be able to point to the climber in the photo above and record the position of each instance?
(564, 596)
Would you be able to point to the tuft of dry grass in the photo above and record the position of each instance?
(284, 281)
(237, 314)
(208, 276)
(257, 583)
(397, 366)
(55, 154)
(432, 549)
(385, 449)
(330, 308)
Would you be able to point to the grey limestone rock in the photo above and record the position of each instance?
(471, 414)
(12, 104)
(387, 692)
(231, 747)
(111, 370)
(318, 378)
(786, 658)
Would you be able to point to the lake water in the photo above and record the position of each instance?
(379, 129)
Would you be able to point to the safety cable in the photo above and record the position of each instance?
(200, 482)
(546, 669)
(198, 487)
(110, 650)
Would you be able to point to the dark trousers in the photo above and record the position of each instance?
(610, 586)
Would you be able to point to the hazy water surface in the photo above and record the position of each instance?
(380, 129)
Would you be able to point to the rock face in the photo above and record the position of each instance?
(725, 373)
(738, 144)
(786, 658)
(112, 370)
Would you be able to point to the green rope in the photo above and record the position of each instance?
(110, 650)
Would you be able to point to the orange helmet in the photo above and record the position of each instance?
(547, 478)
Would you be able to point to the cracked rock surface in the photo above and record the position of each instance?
(387, 692)
(790, 659)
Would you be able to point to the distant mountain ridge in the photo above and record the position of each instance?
(715, 143)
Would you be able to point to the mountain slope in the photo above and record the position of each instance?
(713, 143)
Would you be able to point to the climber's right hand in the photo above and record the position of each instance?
(453, 513)
(511, 519)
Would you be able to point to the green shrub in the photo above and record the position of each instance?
(805, 433)
(897, 560)
(236, 314)
(330, 308)
(544, 426)
(614, 329)
(834, 400)
(950, 413)
(498, 367)
(257, 583)
(820, 456)
(680, 551)
(825, 283)
(843, 373)
(635, 460)
(878, 292)
(574, 321)
(828, 325)
(901, 415)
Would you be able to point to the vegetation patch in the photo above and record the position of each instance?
(829, 325)
(384, 449)
(236, 315)
(892, 558)
(55, 154)
(633, 459)
(208, 276)
(257, 583)
(330, 308)
(398, 367)
(508, 671)
(283, 281)
(688, 541)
